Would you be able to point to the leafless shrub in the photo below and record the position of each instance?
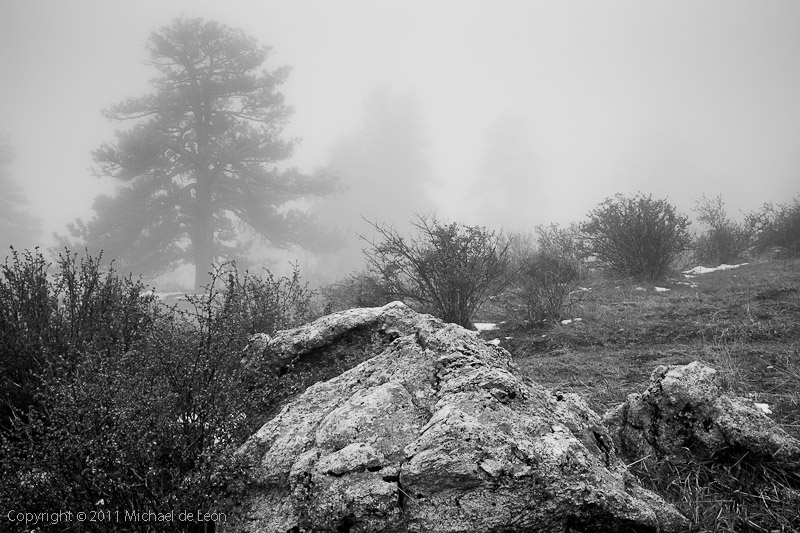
(359, 289)
(778, 226)
(545, 276)
(725, 241)
(447, 269)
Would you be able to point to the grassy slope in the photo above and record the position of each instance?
(743, 322)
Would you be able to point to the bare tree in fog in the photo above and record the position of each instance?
(18, 227)
(384, 165)
(202, 154)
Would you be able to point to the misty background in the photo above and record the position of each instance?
(508, 114)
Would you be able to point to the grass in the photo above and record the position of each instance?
(743, 322)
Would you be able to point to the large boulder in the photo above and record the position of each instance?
(438, 431)
(684, 409)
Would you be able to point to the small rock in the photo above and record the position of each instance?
(684, 408)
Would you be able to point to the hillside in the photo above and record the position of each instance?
(744, 322)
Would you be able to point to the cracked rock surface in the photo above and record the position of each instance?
(683, 408)
(437, 432)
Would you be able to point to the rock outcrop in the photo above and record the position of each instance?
(437, 432)
(684, 409)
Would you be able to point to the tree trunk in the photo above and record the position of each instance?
(202, 226)
(202, 233)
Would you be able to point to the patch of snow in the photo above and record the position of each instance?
(764, 408)
(580, 289)
(565, 322)
(698, 270)
(729, 267)
(661, 289)
(509, 338)
(706, 270)
(495, 342)
(640, 288)
(485, 326)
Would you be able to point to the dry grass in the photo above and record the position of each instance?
(731, 495)
(743, 322)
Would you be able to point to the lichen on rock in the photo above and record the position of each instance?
(436, 432)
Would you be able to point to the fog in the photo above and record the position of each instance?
(507, 114)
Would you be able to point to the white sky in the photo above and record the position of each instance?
(670, 98)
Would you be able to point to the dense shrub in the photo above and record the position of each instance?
(135, 406)
(27, 311)
(265, 304)
(446, 269)
(47, 320)
(724, 240)
(637, 237)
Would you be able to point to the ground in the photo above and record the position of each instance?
(745, 322)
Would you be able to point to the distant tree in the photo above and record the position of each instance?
(447, 269)
(636, 236)
(201, 156)
(778, 227)
(17, 226)
(384, 165)
(724, 240)
(508, 174)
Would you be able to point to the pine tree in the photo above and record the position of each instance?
(203, 154)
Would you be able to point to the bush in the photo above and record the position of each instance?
(27, 312)
(264, 304)
(566, 244)
(637, 237)
(447, 269)
(135, 406)
(545, 275)
(359, 289)
(778, 226)
(725, 241)
(45, 321)
(541, 290)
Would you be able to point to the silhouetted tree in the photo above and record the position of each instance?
(17, 226)
(202, 155)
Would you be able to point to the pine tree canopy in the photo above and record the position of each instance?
(202, 159)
